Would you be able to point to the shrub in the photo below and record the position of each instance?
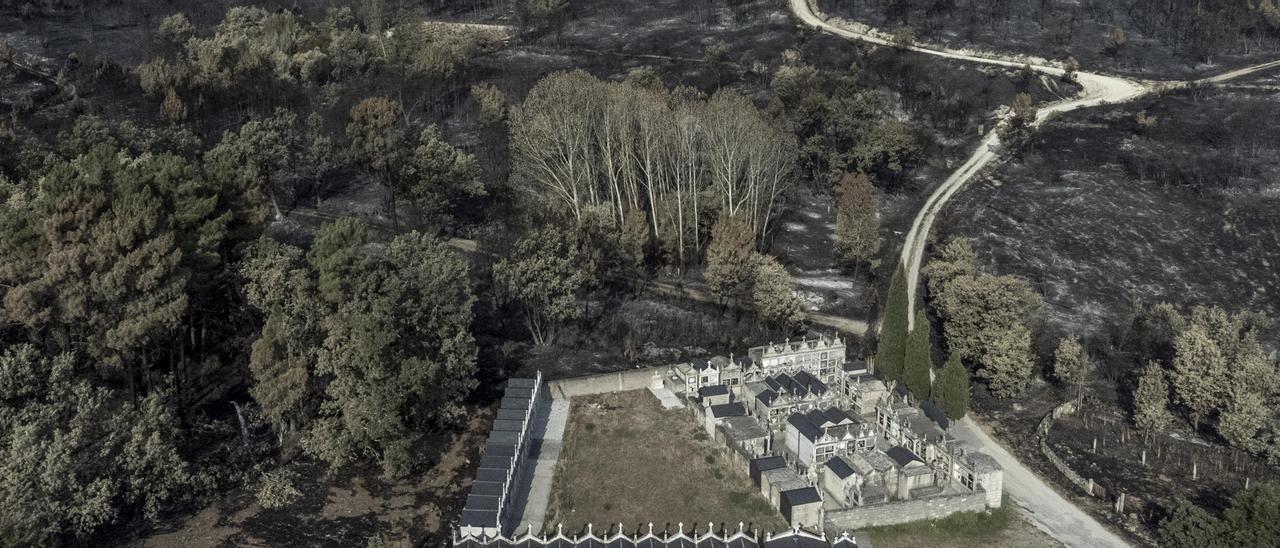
(277, 489)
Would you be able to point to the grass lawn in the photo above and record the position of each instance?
(1000, 527)
(626, 460)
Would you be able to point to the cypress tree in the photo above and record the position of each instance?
(892, 349)
(918, 361)
(952, 389)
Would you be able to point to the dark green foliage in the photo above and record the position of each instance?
(1253, 519)
(840, 126)
(1190, 526)
(75, 455)
(951, 390)
(545, 275)
(892, 348)
(918, 361)
(384, 337)
(112, 253)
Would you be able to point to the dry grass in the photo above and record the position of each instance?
(1003, 527)
(626, 460)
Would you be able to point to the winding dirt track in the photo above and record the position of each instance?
(1098, 89)
(1041, 504)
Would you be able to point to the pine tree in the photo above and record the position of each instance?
(951, 391)
(775, 300)
(892, 348)
(1151, 400)
(1199, 373)
(729, 257)
(1071, 365)
(918, 361)
(1007, 361)
(857, 228)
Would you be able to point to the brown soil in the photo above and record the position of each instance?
(626, 460)
(346, 507)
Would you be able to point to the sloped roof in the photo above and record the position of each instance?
(796, 497)
(713, 390)
(767, 396)
(839, 467)
(901, 455)
(735, 409)
(806, 428)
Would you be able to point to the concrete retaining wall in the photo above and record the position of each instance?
(605, 383)
(893, 513)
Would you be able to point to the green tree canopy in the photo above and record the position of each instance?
(111, 251)
(545, 275)
(953, 259)
(1252, 519)
(951, 390)
(1071, 365)
(773, 294)
(77, 456)
(985, 319)
(857, 225)
(729, 255)
(266, 149)
(1151, 400)
(441, 176)
(892, 348)
(384, 337)
(918, 360)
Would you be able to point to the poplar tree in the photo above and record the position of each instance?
(918, 362)
(892, 346)
(1151, 400)
(951, 390)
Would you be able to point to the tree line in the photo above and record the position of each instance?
(1207, 366)
(585, 147)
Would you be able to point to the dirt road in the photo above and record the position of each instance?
(1097, 89)
(1042, 506)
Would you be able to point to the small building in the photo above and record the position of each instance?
(716, 394)
(915, 478)
(821, 434)
(859, 479)
(744, 434)
(775, 482)
(776, 397)
(716, 414)
(862, 392)
(757, 467)
(801, 507)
